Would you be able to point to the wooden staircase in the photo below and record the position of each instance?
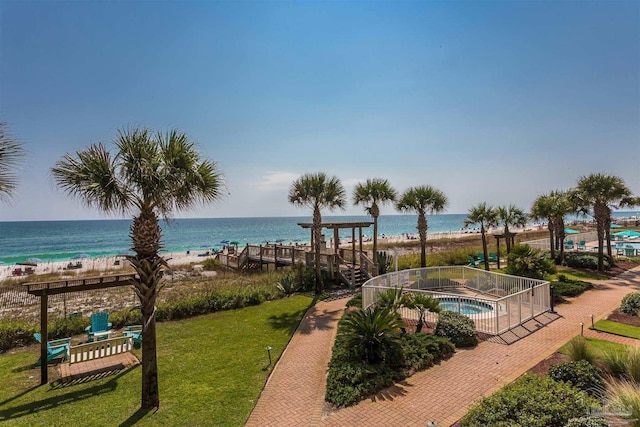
(352, 275)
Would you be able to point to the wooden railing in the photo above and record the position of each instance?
(100, 349)
(368, 266)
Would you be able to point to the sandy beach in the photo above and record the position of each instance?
(112, 264)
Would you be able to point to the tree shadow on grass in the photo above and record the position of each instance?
(286, 321)
(135, 417)
(43, 405)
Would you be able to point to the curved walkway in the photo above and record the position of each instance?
(294, 393)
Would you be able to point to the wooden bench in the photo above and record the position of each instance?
(100, 349)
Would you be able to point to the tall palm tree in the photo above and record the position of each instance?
(422, 200)
(317, 191)
(150, 175)
(543, 209)
(511, 216)
(562, 206)
(11, 154)
(371, 193)
(600, 193)
(486, 216)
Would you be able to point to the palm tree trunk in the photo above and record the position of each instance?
(601, 214)
(375, 212)
(551, 240)
(422, 232)
(607, 232)
(507, 236)
(484, 246)
(317, 221)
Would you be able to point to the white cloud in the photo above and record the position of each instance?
(276, 181)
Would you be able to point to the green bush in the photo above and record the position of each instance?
(587, 422)
(15, 333)
(531, 401)
(458, 328)
(349, 382)
(288, 285)
(581, 374)
(305, 277)
(212, 264)
(65, 327)
(585, 260)
(356, 301)
(421, 351)
(528, 262)
(631, 304)
(564, 287)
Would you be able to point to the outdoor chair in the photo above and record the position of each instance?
(99, 323)
(134, 331)
(582, 245)
(472, 261)
(629, 251)
(55, 348)
(568, 244)
(493, 257)
(480, 257)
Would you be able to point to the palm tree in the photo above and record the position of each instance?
(423, 303)
(511, 216)
(562, 206)
(150, 175)
(11, 154)
(600, 193)
(373, 192)
(543, 209)
(486, 216)
(421, 200)
(317, 191)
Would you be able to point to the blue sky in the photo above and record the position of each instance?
(486, 100)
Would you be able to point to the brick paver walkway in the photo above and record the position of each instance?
(294, 394)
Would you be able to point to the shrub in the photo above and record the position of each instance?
(349, 382)
(581, 374)
(305, 277)
(288, 285)
(585, 260)
(631, 304)
(564, 287)
(528, 262)
(372, 333)
(460, 329)
(384, 262)
(530, 401)
(212, 264)
(587, 422)
(356, 301)
(122, 318)
(578, 349)
(422, 303)
(421, 351)
(613, 363)
(65, 327)
(15, 333)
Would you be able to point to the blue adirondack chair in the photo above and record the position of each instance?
(480, 257)
(55, 348)
(493, 257)
(134, 331)
(99, 323)
(568, 244)
(472, 261)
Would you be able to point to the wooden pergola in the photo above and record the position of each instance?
(44, 289)
(510, 236)
(336, 227)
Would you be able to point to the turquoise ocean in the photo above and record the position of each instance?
(64, 240)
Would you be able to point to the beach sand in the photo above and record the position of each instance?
(113, 264)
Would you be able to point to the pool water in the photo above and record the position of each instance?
(465, 307)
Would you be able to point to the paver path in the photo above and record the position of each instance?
(294, 395)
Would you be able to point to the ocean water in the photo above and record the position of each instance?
(63, 240)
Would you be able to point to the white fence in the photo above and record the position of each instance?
(543, 244)
(500, 303)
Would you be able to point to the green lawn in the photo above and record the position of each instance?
(617, 328)
(599, 347)
(577, 274)
(211, 371)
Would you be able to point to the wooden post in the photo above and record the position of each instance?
(275, 255)
(353, 256)
(44, 304)
(498, 241)
(336, 245)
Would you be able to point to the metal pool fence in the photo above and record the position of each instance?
(495, 302)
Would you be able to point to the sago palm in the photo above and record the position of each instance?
(317, 191)
(600, 193)
(11, 154)
(150, 175)
(372, 333)
(423, 303)
(372, 193)
(422, 200)
(487, 217)
(511, 216)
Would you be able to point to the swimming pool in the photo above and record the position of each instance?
(465, 306)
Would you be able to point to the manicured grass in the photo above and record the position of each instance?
(211, 371)
(617, 328)
(600, 347)
(577, 274)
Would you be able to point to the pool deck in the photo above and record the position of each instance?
(294, 393)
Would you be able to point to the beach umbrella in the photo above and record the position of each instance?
(234, 242)
(570, 231)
